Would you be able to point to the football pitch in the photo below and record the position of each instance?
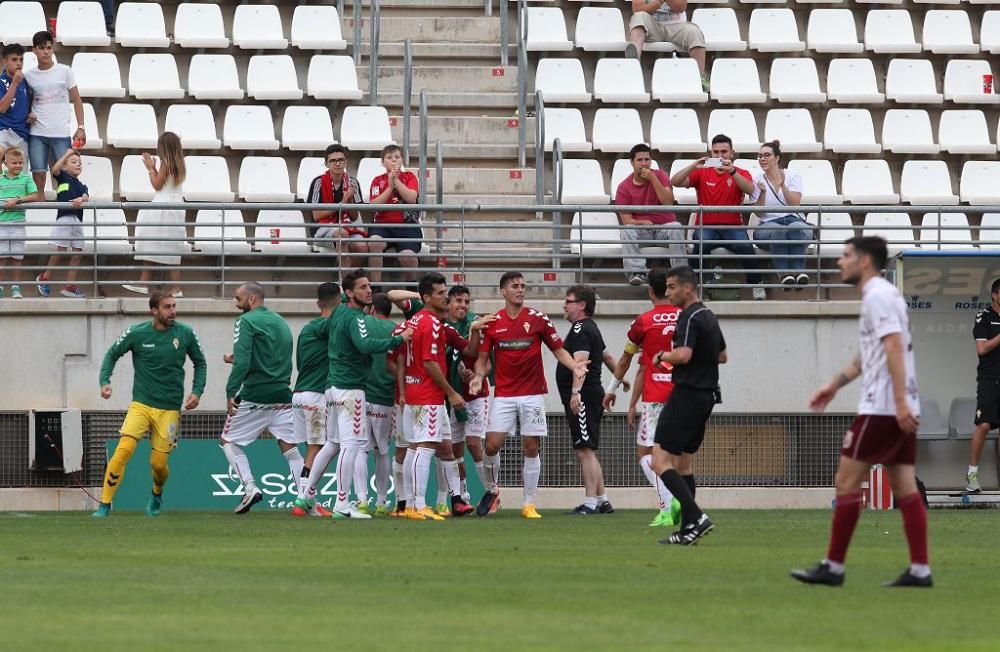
(265, 581)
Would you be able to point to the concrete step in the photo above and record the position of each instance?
(465, 130)
(453, 52)
(522, 199)
(469, 79)
(432, 29)
(485, 181)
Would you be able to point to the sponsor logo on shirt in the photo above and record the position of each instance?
(514, 345)
(413, 380)
(148, 346)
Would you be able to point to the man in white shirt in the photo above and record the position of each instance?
(53, 87)
(885, 430)
(665, 21)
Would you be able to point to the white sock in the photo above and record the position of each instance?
(973, 469)
(421, 475)
(481, 472)
(295, 463)
(465, 491)
(320, 464)
(345, 476)
(920, 570)
(452, 479)
(603, 498)
(383, 468)
(835, 568)
(491, 466)
(238, 460)
(442, 482)
(409, 470)
(590, 501)
(646, 464)
(361, 477)
(530, 472)
(397, 479)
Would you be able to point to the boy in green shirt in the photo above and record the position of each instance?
(16, 187)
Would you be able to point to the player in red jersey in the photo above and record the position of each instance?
(515, 339)
(651, 332)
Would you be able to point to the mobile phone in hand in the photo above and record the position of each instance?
(713, 162)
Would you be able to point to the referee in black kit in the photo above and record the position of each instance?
(699, 349)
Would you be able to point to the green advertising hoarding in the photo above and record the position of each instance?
(200, 478)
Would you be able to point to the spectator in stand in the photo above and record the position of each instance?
(658, 21)
(16, 187)
(68, 232)
(721, 184)
(779, 189)
(647, 187)
(15, 101)
(396, 186)
(335, 186)
(53, 87)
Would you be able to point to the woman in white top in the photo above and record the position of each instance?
(782, 231)
(161, 235)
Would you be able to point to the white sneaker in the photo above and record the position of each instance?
(249, 500)
(759, 294)
(352, 513)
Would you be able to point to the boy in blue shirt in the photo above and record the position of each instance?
(15, 101)
(67, 234)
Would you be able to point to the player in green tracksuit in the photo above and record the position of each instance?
(159, 348)
(258, 392)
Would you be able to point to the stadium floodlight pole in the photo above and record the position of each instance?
(376, 19)
(407, 91)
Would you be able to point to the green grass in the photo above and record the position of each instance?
(200, 581)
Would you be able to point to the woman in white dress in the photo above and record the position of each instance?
(160, 235)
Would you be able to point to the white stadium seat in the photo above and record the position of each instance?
(213, 77)
(207, 179)
(582, 182)
(912, 81)
(199, 26)
(317, 27)
(264, 179)
(616, 130)
(978, 184)
(81, 24)
(195, 124)
(852, 81)
(951, 230)
(794, 128)
(332, 77)
(310, 167)
(948, 32)
(890, 31)
(795, 80)
(619, 81)
(567, 126)
(364, 128)
(105, 232)
(833, 30)
(989, 231)
(926, 182)
(219, 233)
(736, 81)
(154, 77)
(965, 132)
(989, 32)
(819, 184)
(721, 29)
(774, 30)
(868, 182)
(132, 126)
(963, 82)
(595, 234)
(249, 127)
(140, 25)
(850, 131)
(97, 74)
(272, 77)
(546, 30)
(98, 176)
(835, 229)
(368, 169)
(306, 128)
(133, 180)
(908, 131)
(622, 169)
(19, 21)
(683, 196)
(676, 130)
(258, 27)
(600, 29)
(561, 81)
(94, 140)
(739, 124)
(895, 228)
(677, 80)
(281, 233)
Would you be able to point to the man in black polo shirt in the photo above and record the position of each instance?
(582, 398)
(987, 334)
(699, 349)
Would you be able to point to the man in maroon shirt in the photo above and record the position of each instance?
(725, 185)
(647, 187)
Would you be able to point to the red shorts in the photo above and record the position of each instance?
(879, 440)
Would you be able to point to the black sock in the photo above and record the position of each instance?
(689, 479)
(400, 505)
(305, 472)
(679, 488)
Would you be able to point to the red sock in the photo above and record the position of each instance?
(845, 517)
(915, 526)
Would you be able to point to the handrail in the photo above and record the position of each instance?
(504, 28)
(357, 33)
(422, 178)
(557, 177)
(522, 83)
(439, 195)
(373, 44)
(539, 149)
(407, 92)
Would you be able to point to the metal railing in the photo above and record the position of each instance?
(407, 93)
(375, 20)
(356, 16)
(522, 83)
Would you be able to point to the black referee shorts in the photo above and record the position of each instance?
(585, 428)
(681, 427)
(988, 402)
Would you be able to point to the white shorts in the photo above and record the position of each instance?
(12, 237)
(252, 420)
(426, 423)
(475, 426)
(309, 417)
(346, 420)
(397, 427)
(381, 421)
(506, 411)
(647, 423)
(68, 233)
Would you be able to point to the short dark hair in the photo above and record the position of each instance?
(456, 290)
(156, 297)
(381, 304)
(873, 246)
(683, 275)
(42, 38)
(351, 280)
(586, 294)
(995, 287)
(637, 149)
(12, 48)
(336, 148)
(657, 279)
(327, 293)
(508, 277)
(722, 138)
(427, 282)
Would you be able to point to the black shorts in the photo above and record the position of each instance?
(681, 427)
(988, 402)
(585, 428)
(408, 237)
